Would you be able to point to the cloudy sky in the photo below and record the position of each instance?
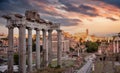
(99, 16)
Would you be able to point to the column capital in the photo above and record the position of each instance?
(29, 28)
(22, 25)
(59, 30)
(37, 29)
(10, 26)
(50, 30)
(44, 29)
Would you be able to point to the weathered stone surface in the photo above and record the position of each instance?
(10, 49)
(30, 50)
(22, 50)
(38, 49)
(49, 46)
(32, 15)
(45, 47)
(59, 50)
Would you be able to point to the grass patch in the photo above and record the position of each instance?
(51, 70)
(65, 63)
(117, 69)
(106, 67)
(98, 67)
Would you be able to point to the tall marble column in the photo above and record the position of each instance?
(10, 49)
(45, 48)
(22, 49)
(30, 50)
(37, 48)
(59, 49)
(117, 46)
(49, 46)
(114, 47)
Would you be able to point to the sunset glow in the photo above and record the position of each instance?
(99, 16)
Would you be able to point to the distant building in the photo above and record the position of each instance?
(112, 46)
(70, 38)
(65, 44)
(85, 36)
(116, 44)
(4, 44)
(102, 49)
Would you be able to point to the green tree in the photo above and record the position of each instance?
(72, 49)
(16, 59)
(98, 42)
(91, 46)
(33, 46)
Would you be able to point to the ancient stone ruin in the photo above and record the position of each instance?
(31, 21)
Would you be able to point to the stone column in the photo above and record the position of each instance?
(45, 49)
(114, 47)
(117, 46)
(10, 49)
(78, 52)
(59, 49)
(30, 50)
(37, 48)
(49, 46)
(22, 49)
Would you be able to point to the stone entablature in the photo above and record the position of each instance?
(17, 20)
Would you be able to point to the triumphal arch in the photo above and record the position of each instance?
(31, 21)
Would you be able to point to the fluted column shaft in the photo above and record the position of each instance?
(22, 49)
(30, 50)
(49, 46)
(38, 49)
(59, 49)
(10, 49)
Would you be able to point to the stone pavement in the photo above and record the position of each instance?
(87, 68)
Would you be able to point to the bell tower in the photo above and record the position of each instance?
(87, 32)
